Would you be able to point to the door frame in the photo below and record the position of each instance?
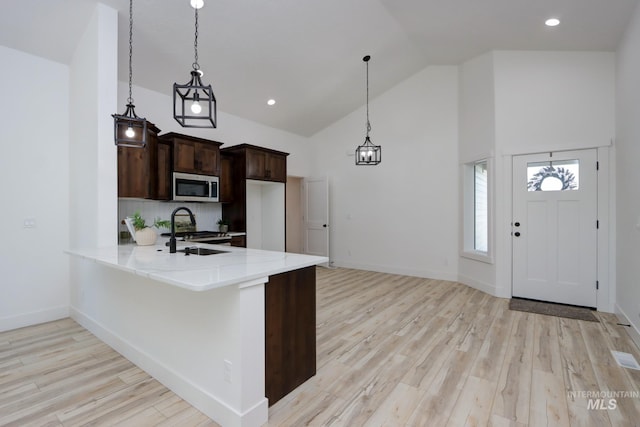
(605, 233)
(563, 228)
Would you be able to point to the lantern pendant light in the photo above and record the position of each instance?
(129, 129)
(367, 153)
(194, 104)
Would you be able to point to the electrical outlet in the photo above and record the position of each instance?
(227, 370)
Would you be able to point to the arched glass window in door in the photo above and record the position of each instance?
(562, 175)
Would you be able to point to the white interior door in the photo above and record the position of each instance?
(554, 227)
(316, 216)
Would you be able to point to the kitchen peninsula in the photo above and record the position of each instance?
(230, 333)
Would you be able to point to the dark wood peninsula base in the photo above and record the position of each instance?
(290, 336)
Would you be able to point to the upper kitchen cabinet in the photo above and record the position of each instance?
(194, 155)
(226, 177)
(141, 171)
(256, 198)
(260, 163)
(164, 171)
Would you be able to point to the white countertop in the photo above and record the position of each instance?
(197, 272)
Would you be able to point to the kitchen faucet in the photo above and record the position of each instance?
(172, 239)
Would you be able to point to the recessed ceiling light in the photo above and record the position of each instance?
(197, 4)
(552, 22)
(271, 102)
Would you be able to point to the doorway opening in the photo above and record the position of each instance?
(294, 215)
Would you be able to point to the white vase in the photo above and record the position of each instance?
(147, 236)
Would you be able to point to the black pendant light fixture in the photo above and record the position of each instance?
(129, 129)
(367, 153)
(194, 104)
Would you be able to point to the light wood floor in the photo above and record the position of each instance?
(392, 351)
(59, 374)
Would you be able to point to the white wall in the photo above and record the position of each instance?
(401, 215)
(477, 109)
(477, 142)
(93, 158)
(543, 101)
(93, 155)
(34, 131)
(554, 100)
(628, 175)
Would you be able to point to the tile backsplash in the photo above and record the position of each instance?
(207, 214)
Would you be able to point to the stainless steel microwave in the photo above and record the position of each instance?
(195, 188)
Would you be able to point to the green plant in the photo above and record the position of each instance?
(139, 223)
(222, 221)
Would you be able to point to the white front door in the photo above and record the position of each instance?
(554, 228)
(316, 216)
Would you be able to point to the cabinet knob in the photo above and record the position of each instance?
(517, 234)
(517, 224)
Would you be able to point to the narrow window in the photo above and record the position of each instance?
(480, 207)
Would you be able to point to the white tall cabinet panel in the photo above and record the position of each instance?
(265, 215)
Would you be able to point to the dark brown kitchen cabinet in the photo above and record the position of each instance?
(276, 167)
(259, 163)
(226, 178)
(290, 331)
(141, 171)
(164, 171)
(239, 241)
(266, 165)
(254, 163)
(194, 155)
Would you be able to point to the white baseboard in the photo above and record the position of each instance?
(33, 318)
(427, 274)
(633, 331)
(204, 401)
(487, 288)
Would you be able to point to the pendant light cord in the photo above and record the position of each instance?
(196, 66)
(368, 123)
(130, 99)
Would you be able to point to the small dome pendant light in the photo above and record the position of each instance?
(194, 104)
(129, 129)
(367, 153)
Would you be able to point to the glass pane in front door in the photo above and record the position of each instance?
(557, 175)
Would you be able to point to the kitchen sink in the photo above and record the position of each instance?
(201, 251)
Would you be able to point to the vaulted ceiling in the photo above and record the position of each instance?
(307, 54)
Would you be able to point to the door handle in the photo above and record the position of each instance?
(517, 234)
